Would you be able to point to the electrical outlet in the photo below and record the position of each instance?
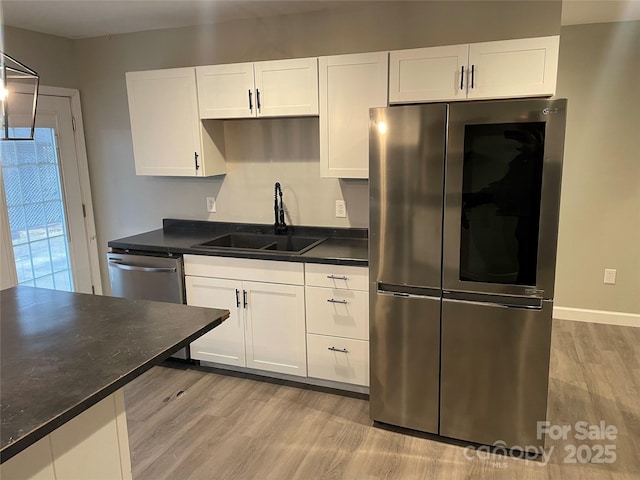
(211, 204)
(610, 276)
(341, 210)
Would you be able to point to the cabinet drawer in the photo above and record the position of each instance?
(337, 276)
(244, 269)
(338, 312)
(338, 359)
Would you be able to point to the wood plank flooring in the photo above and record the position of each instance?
(224, 427)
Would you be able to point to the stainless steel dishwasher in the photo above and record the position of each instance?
(147, 277)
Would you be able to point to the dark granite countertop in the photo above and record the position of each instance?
(61, 353)
(343, 246)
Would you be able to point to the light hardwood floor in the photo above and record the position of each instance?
(223, 427)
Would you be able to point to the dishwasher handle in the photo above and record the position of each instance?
(123, 266)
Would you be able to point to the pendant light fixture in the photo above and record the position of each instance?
(19, 97)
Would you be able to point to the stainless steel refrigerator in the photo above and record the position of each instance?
(464, 201)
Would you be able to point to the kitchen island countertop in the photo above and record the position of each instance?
(62, 353)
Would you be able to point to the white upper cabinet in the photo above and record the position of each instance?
(168, 137)
(349, 86)
(504, 69)
(287, 87)
(514, 68)
(262, 89)
(226, 91)
(428, 74)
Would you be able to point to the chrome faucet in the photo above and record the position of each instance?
(279, 227)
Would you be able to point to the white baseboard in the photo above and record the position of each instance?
(597, 316)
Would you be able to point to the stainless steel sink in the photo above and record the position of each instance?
(262, 242)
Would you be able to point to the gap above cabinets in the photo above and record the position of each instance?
(177, 115)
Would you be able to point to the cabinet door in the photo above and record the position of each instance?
(225, 343)
(276, 328)
(349, 86)
(514, 68)
(428, 74)
(165, 126)
(226, 91)
(287, 87)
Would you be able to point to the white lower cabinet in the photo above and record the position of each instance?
(266, 328)
(225, 343)
(338, 359)
(338, 312)
(337, 303)
(275, 328)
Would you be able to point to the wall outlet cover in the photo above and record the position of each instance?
(610, 276)
(341, 210)
(211, 204)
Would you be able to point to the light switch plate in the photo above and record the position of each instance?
(211, 204)
(341, 210)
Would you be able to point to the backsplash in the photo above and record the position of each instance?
(286, 150)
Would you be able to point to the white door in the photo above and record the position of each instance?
(225, 343)
(287, 87)
(165, 125)
(45, 204)
(226, 91)
(513, 68)
(276, 328)
(428, 74)
(349, 86)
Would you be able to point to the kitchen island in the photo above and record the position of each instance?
(64, 359)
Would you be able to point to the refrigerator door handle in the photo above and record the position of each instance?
(494, 304)
(406, 295)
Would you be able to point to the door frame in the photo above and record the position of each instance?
(73, 95)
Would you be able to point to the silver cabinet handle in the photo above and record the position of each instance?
(337, 277)
(123, 266)
(334, 349)
(331, 300)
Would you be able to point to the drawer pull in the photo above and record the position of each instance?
(334, 349)
(337, 277)
(331, 300)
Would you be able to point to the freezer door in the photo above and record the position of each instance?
(495, 370)
(406, 165)
(502, 196)
(405, 360)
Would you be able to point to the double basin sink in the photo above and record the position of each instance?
(262, 242)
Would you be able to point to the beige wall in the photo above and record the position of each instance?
(50, 56)
(599, 72)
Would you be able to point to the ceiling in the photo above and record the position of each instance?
(91, 18)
